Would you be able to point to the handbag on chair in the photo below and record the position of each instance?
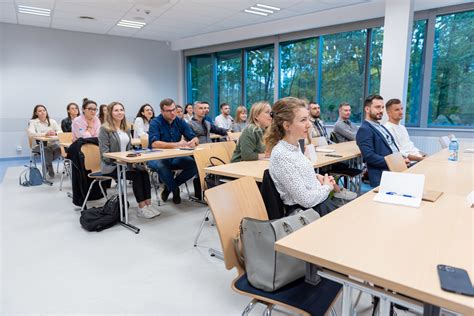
(266, 268)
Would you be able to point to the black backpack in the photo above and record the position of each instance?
(97, 219)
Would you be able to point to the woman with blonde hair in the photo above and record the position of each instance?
(240, 121)
(293, 174)
(114, 136)
(250, 145)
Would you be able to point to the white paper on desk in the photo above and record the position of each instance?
(325, 150)
(470, 199)
(395, 187)
(310, 153)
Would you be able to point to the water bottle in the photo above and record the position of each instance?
(453, 149)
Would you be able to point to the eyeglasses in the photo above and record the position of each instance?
(92, 109)
(169, 111)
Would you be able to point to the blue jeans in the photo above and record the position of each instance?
(165, 168)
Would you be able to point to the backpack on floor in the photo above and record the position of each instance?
(31, 176)
(97, 219)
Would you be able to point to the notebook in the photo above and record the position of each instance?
(428, 195)
(401, 189)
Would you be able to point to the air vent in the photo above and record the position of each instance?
(84, 17)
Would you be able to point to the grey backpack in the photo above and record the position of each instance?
(31, 176)
(266, 268)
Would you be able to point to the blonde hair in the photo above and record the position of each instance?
(109, 121)
(256, 109)
(240, 109)
(282, 111)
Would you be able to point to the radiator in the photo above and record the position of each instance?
(431, 145)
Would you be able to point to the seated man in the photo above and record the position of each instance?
(399, 132)
(318, 128)
(224, 120)
(166, 131)
(207, 110)
(344, 129)
(201, 127)
(374, 140)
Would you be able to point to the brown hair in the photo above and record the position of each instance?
(392, 102)
(142, 109)
(109, 121)
(255, 111)
(282, 111)
(370, 98)
(101, 113)
(69, 107)
(240, 109)
(34, 116)
(166, 102)
(343, 104)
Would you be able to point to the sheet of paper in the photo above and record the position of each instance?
(401, 188)
(470, 199)
(325, 150)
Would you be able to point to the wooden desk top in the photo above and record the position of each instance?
(399, 247)
(256, 168)
(147, 156)
(46, 138)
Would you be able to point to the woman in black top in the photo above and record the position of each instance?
(72, 113)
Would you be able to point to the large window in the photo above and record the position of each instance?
(298, 61)
(229, 78)
(452, 80)
(343, 72)
(260, 66)
(375, 66)
(200, 87)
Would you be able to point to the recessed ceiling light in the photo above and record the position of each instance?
(255, 12)
(262, 10)
(33, 10)
(132, 24)
(267, 7)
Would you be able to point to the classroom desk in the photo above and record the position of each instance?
(255, 169)
(395, 247)
(122, 160)
(41, 140)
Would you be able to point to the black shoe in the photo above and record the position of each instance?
(176, 197)
(165, 193)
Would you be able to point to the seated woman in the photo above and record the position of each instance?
(250, 145)
(142, 121)
(41, 125)
(114, 136)
(179, 111)
(188, 113)
(293, 174)
(240, 121)
(72, 113)
(86, 125)
(102, 113)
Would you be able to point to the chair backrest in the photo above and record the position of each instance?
(229, 203)
(396, 162)
(272, 199)
(202, 159)
(319, 141)
(444, 141)
(91, 157)
(144, 140)
(64, 138)
(229, 147)
(234, 136)
(333, 137)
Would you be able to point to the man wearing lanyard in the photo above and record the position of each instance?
(319, 129)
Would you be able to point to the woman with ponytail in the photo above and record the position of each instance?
(293, 174)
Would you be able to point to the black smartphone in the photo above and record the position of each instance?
(133, 154)
(455, 280)
(185, 148)
(333, 155)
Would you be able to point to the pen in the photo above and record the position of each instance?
(404, 195)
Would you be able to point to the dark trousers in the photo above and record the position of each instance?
(323, 208)
(165, 168)
(140, 183)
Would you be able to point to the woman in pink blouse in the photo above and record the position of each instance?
(88, 124)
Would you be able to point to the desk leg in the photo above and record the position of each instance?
(431, 310)
(122, 191)
(43, 163)
(346, 299)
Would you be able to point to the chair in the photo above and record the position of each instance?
(202, 159)
(64, 138)
(234, 136)
(333, 137)
(232, 201)
(396, 162)
(92, 162)
(444, 141)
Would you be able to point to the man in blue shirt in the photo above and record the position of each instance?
(167, 131)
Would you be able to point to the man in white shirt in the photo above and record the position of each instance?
(224, 120)
(400, 134)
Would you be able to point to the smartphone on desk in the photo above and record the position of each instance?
(333, 155)
(185, 148)
(455, 280)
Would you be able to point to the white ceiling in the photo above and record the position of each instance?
(168, 20)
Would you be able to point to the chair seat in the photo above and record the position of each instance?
(315, 300)
(344, 169)
(97, 175)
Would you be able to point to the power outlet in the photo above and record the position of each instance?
(19, 149)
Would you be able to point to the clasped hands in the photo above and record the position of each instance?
(328, 180)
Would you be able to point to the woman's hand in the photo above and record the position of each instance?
(50, 133)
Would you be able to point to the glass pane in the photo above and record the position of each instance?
(342, 69)
(201, 78)
(375, 60)
(229, 79)
(259, 75)
(452, 79)
(298, 63)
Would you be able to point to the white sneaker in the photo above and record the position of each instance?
(145, 213)
(154, 209)
(345, 195)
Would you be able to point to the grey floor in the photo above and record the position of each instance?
(50, 265)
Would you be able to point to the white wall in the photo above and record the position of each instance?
(54, 67)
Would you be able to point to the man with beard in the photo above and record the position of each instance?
(318, 128)
(374, 140)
